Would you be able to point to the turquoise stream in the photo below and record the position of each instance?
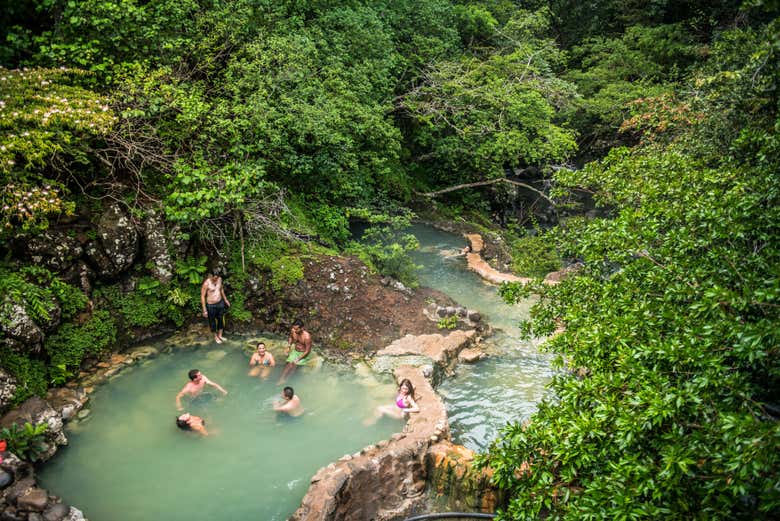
(128, 462)
(505, 387)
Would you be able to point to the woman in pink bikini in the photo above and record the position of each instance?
(404, 404)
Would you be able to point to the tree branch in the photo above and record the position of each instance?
(484, 183)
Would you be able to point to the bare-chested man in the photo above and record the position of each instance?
(261, 362)
(290, 403)
(194, 387)
(213, 302)
(298, 349)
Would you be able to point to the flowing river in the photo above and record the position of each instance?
(505, 387)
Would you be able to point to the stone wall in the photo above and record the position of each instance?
(385, 481)
(400, 476)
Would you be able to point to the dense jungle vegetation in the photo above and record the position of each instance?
(261, 128)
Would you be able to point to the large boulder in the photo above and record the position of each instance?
(20, 330)
(117, 243)
(54, 249)
(157, 248)
(35, 411)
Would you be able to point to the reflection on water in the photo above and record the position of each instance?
(506, 386)
(130, 462)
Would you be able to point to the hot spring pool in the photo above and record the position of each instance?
(128, 460)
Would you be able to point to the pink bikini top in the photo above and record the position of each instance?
(399, 401)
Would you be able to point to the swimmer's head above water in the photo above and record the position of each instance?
(183, 421)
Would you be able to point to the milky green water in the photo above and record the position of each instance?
(129, 461)
(508, 385)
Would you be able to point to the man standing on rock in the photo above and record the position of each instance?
(213, 302)
(194, 387)
(299, 354)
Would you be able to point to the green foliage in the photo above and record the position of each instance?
(39, 292)
(477, 116)
(237, 309)
(191, 269)
(450, 322)
(46, 126)
(385, 248)
(612, 72)
(331, 223)
(30, 375)
(151, 303)
(26, 442)
(535, 255)
(675, 319)
(73, 341)
(286, 271)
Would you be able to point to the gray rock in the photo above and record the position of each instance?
(75, 515)
(156, 247)
(19, 327)
(56, 512)
(68, 411)
(34, 516)
(54, 249)
(117, 244)
(19, 489)
(10, 514)
(13, 465)
(474, 316)
(5, 478)
(35, 500)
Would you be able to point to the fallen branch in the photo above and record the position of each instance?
(484, 183)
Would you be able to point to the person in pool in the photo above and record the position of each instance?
(261, 362)
(290, 403)
(195, 386)
(190, 422)
(298, 349)
(404, 404)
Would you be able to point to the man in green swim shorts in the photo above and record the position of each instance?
(298, 349)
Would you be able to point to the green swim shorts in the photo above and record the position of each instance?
(293, 356)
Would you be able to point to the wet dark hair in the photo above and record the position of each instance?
(288, 392)
(409, 383)
(260, 344)
(298, 322)
(183, 424)
(193, 373)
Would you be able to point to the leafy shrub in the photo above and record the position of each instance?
(285, 272)
(450, 322)
(535, 256)
(384, 248)
(30, 375)
(237, 309)
(39, 291)
(331, 223)
(192, 269)
(68, 346)
(150, 304)
(26, 442)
